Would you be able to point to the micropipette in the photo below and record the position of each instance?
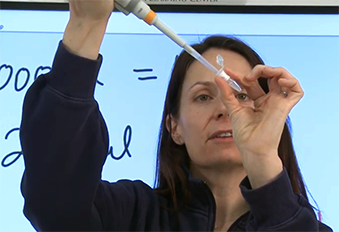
(140, 9)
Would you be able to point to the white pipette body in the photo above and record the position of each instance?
(167, 31)
(144, 12)
(207, 64)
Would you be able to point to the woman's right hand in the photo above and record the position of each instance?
(91, 10)
(87, 26)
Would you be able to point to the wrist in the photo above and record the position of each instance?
(262, 170)
(88, 22)
(84, 37)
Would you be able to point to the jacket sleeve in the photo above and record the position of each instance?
(275, 207)
(64, 141)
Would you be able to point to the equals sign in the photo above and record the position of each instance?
(145, 70)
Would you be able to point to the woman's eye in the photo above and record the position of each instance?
(242, 96)
(203, 98)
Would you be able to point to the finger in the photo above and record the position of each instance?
(253, 89)
(273, 75)
(291, 86)
(268, 72)
(273, 84)
(227, 96)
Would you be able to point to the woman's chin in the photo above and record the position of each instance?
(224, 161)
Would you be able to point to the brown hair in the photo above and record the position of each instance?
(172, 158)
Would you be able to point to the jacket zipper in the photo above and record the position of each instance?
(214, 208)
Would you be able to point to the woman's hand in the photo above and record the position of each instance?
(91, 10)
(257, 131)
(87, 26)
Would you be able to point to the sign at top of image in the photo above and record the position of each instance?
(220, 2)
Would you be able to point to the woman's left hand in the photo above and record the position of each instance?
(257, 131)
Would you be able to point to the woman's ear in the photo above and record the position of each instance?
(173, 128)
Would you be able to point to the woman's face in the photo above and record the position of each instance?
(203, 124)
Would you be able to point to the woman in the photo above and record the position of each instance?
(212, 141)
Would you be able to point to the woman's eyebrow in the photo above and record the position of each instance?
(212, 85)
(204, 83)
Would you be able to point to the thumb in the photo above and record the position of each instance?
(227, 96)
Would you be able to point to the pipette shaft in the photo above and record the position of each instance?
(140, 9)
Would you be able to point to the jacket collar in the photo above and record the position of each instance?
(202, 197)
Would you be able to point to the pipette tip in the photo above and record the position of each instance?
(234, 85)
(230, 81)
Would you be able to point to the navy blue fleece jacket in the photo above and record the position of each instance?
(65, 144)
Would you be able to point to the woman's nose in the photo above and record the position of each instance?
(221, 110)
(221, 115)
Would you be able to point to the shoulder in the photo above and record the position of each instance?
(122, 204)
(133, 190)
(324, 227)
